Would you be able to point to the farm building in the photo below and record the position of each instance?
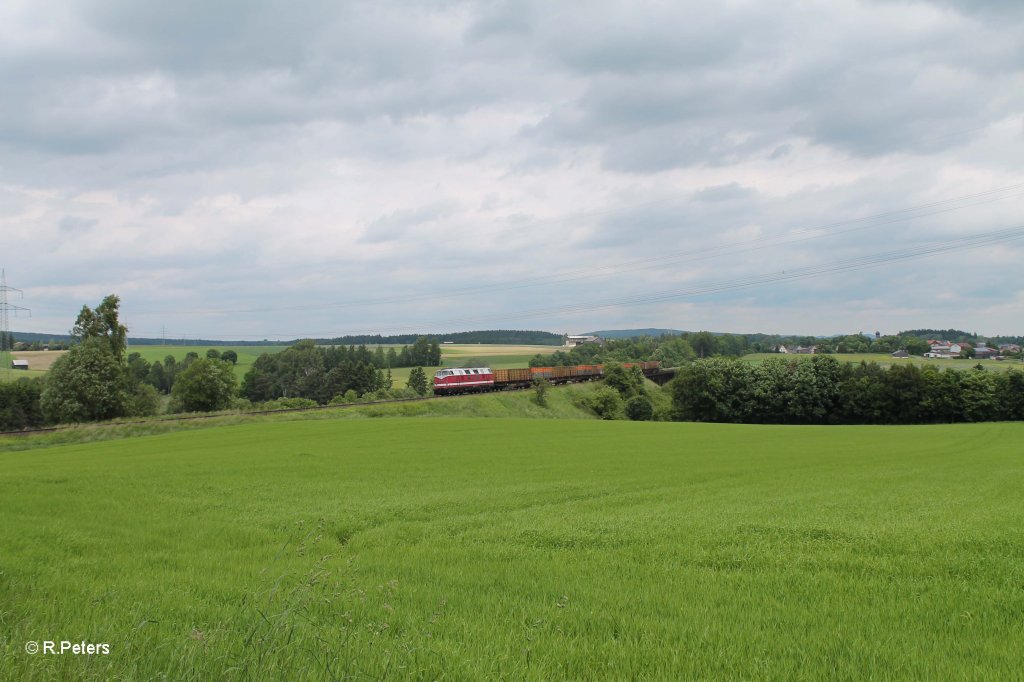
(982, 352)
(945, 349)
(19, 364)
(901, 354)
(578, 340)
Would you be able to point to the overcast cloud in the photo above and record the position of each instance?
(258, 169)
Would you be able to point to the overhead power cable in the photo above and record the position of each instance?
(846, 265)
(583, 273)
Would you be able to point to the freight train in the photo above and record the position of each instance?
(477, 379)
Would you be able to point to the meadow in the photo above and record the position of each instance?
(452, 355)
(886, 360)
(246, 354)
(475, 549)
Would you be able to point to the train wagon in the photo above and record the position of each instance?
(518, 377)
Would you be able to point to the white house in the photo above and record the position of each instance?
(574, 340)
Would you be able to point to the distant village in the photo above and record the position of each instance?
(939, 349)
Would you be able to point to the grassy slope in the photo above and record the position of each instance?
(562, 404)
(514, 549)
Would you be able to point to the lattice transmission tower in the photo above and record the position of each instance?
(6, 308)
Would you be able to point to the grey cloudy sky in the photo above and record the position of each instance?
(257, 169)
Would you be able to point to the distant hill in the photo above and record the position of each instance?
(632, 333)
(505, 337)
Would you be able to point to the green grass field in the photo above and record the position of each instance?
(886, 360)
(474, 549)
(452, 355)
(246, 354)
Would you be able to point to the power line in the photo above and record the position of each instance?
(6, 342)
(763, 279)
(577, 274)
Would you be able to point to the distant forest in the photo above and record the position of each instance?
(496, 336)
(960, 336)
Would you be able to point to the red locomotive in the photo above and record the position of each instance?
(478, 379)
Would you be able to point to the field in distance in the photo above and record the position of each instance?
(39, 362)
(452, 355)
(886, 360)
(519, 549)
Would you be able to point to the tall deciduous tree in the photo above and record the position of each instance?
(87, 384)
(102, 323)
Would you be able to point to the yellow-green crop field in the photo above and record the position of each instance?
(487, 549)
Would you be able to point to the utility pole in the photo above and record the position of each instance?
(6, 342)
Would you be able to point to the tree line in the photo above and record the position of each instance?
(672, 350)
(319, 373)
(98, 380)
(822, 390)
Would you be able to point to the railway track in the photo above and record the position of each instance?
(315, 408)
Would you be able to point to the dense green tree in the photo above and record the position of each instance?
(1010, 395)
(138, 369)
(675, 352)
(418, 381)
(715, 390)
(261, 382)
(207, 385)
(213, 354)
(230, 356)
(627, 381)
(914, 345)
(703, 344)
(639, 408)
(605, 402)
(103, 323)
(20, 406)
(979, 397)
(87, 384)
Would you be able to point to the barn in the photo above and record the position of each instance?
(19, 364)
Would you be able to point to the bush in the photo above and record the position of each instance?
(19, 405)
(628, 382)
(207, 385)
(605, 403)
(242, 404)
(639, 408)
(286, 404)
(145, 401)
(346, 398)
(540, 395)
